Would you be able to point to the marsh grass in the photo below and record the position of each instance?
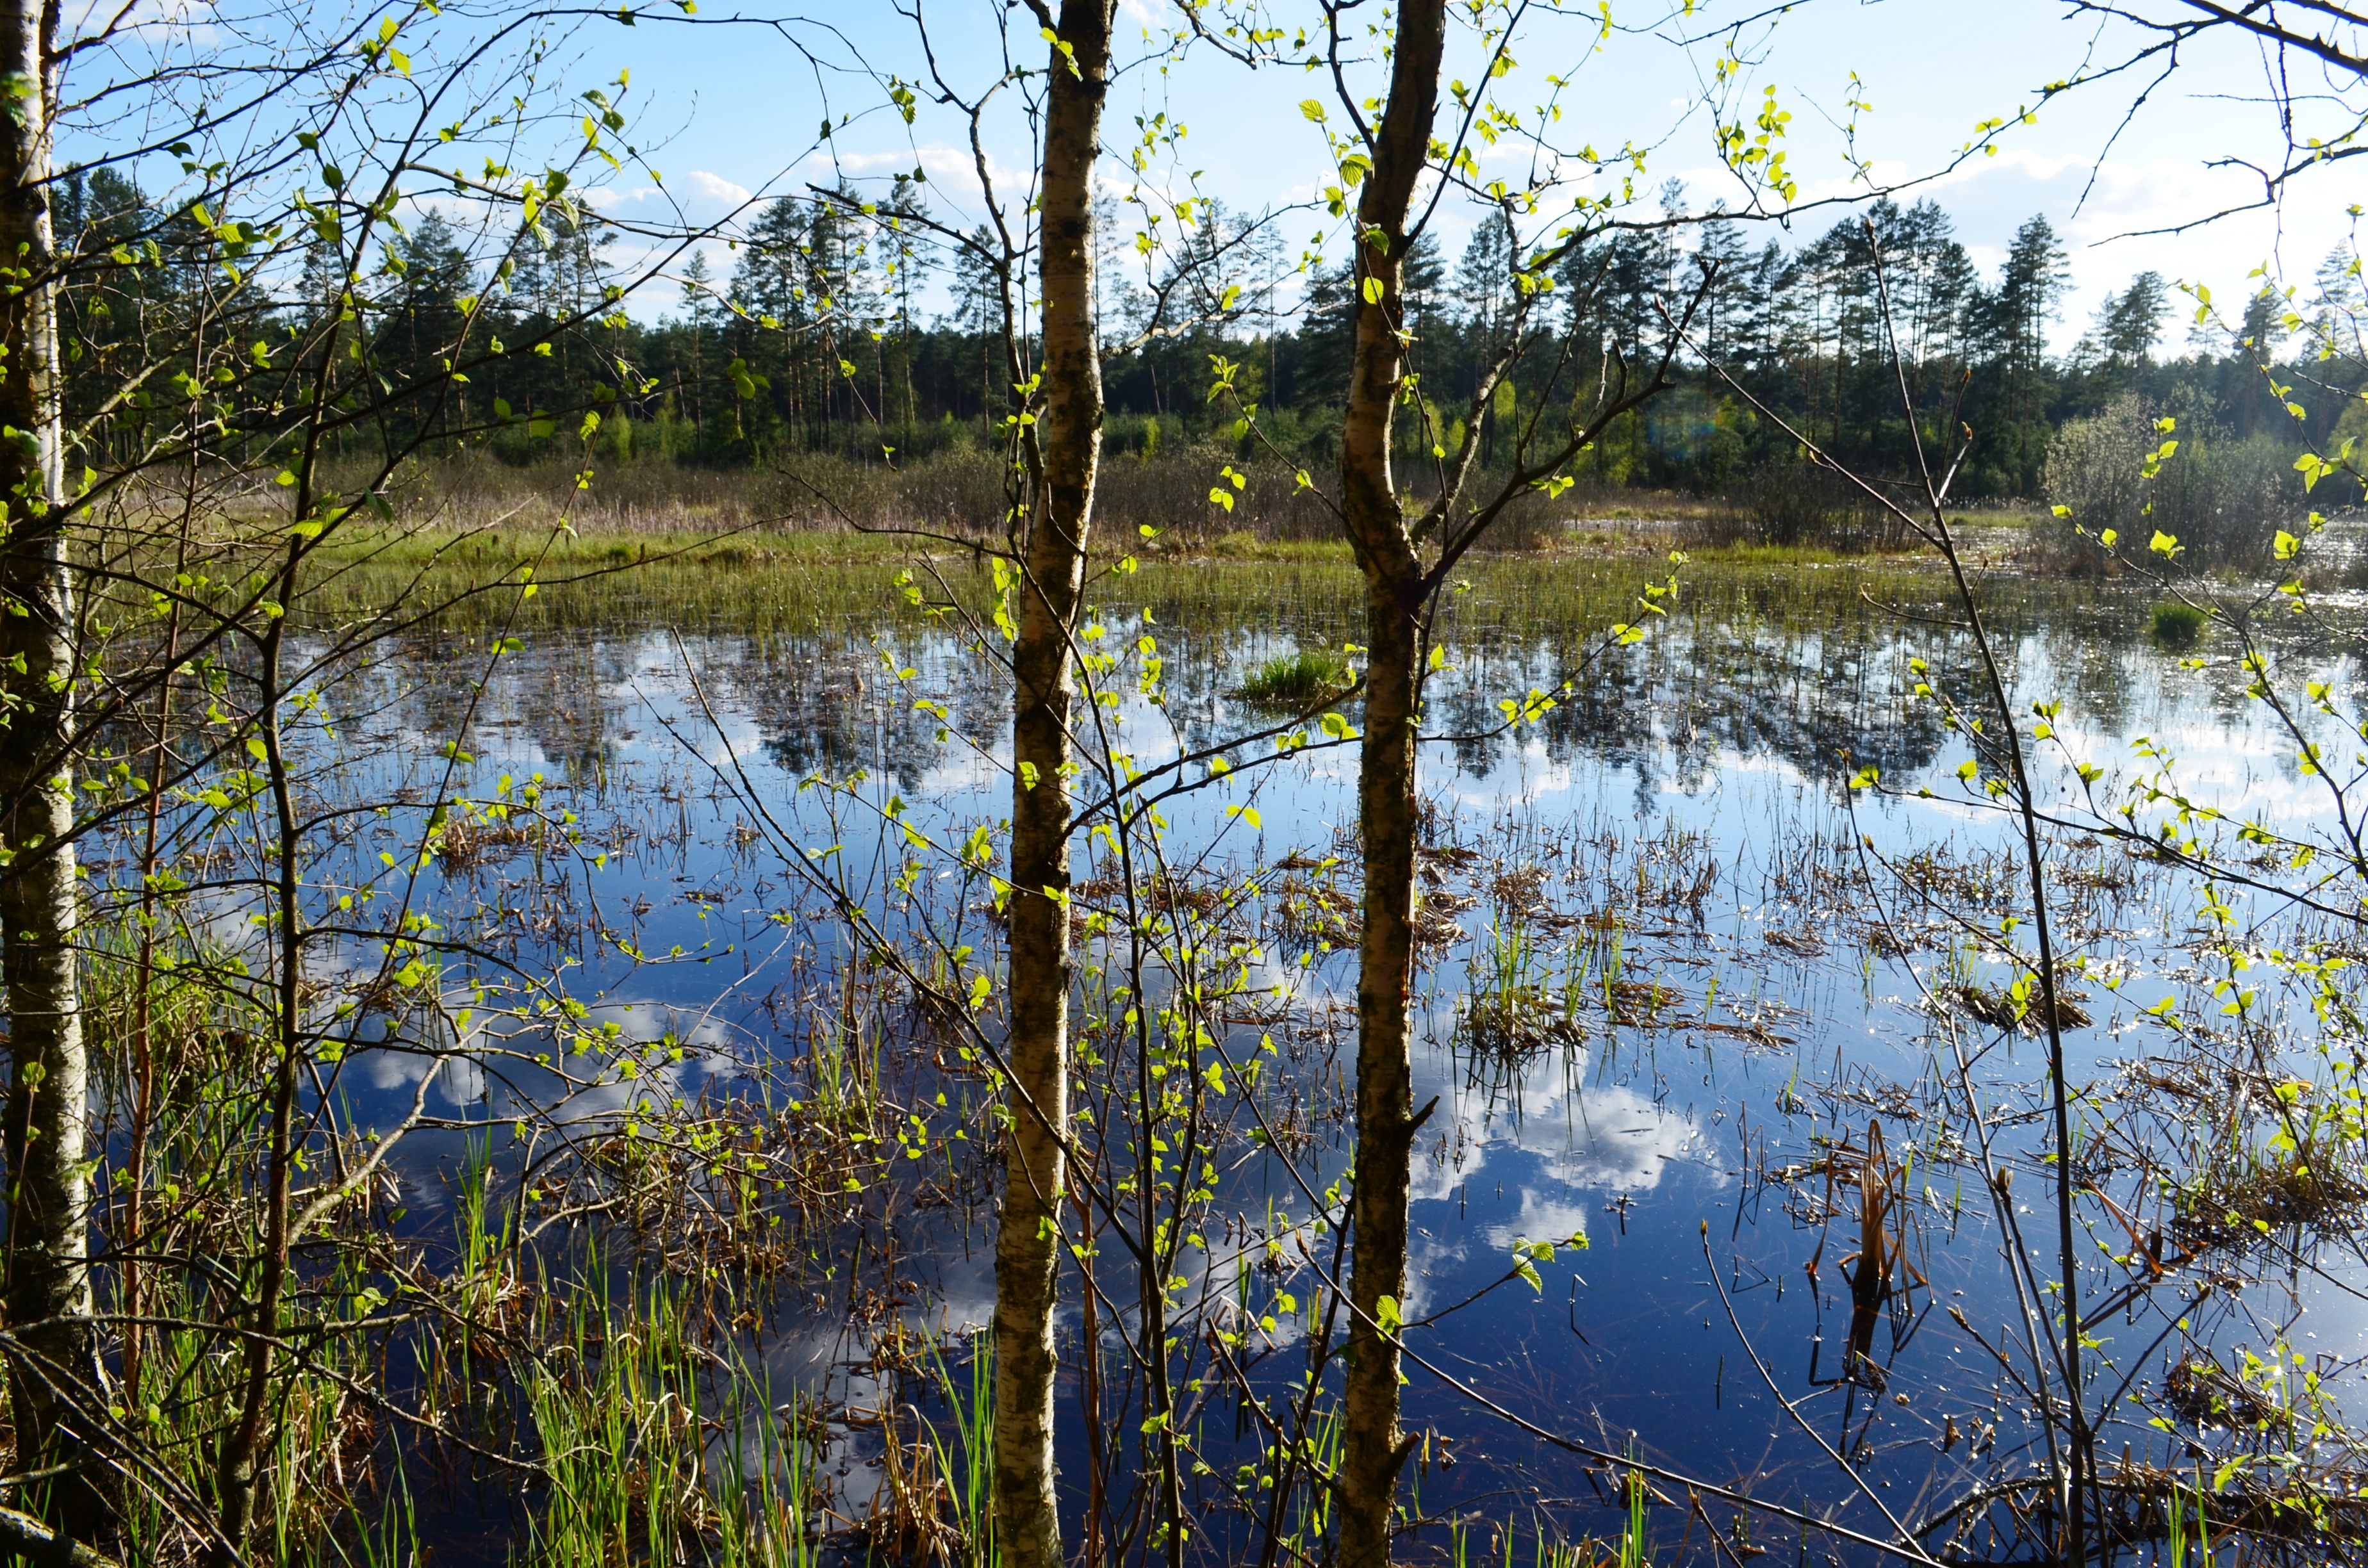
(659, 1440)
(935, 1500)
(760, 583)
(2254, 1191)
(587, 1328)
(1631, 1547)
(2004, 1009)
(1296, 679)
(1516, 1007)
(764, 583)
(2177, 624)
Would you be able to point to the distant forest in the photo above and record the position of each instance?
(866, 329)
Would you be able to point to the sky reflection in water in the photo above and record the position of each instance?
(1723, 739)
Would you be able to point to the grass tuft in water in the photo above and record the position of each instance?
(2177, 624)
(1301, 677)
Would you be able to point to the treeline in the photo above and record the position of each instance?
(872, 332)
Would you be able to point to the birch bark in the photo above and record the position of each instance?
(54, 1375)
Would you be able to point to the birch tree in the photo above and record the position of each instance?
(48, 1302)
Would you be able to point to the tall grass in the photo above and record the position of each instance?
(655, 1448)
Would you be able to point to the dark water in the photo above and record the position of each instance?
(1714, 956)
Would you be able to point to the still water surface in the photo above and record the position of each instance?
(1673, 847)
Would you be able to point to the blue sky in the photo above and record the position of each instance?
(729, 106)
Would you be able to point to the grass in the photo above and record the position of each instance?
(761, 583)
(1513, 1011)
(2251, 1191)
(767, 583)
(629, 1385)
(1298, 679)
(652, 1440)
(2002, 1010)
(2176, 624)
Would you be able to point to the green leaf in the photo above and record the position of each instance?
(1312, 109)
(1372, 290)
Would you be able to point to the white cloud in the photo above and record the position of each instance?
(944, 162)
(715, 187)
(1614, 1138)
(1541, 1218)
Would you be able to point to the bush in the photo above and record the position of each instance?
(1794, 502)
(2220, 496)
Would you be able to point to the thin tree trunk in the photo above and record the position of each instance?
(235, 1461)
(234, 1466)
(144, 1045)
(1374, 1450)
(1027, 1524)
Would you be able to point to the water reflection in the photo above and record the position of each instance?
(1725, 1025)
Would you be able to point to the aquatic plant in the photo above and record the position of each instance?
(1298, 679)
(2175, 623)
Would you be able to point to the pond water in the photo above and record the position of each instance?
(1688, 1001)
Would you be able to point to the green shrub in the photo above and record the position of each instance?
(2221, 495)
